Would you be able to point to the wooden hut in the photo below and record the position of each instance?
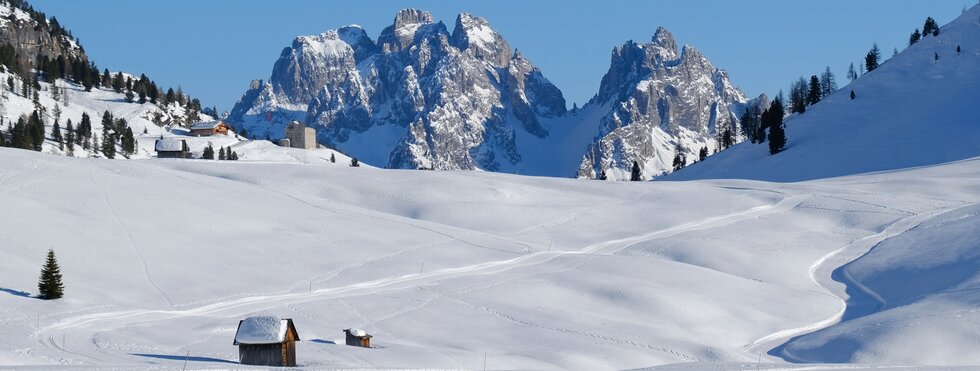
(358, 338)
(171, 148)
(207, 129)
(266, 341)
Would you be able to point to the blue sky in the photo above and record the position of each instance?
(213, 48)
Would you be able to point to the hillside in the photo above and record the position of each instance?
(162, 258)
(911, 111)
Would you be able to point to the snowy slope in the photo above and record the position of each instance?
(140, 117)
(163, 258)
(911, 111)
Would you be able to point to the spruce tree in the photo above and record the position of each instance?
(774, 120)
(872, 59)
(56, 135)
(813, 95)
(930, 27)
(70, 138)
(128, 142)
(49, 286)
(914, 38)
(727, 138)
(221, 153)
(703, 153)
(636, 174)
(108, 143)
(208, 153)
(36, 128)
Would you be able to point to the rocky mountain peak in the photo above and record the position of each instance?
(401, 33)
(664, 39)
(475, 34)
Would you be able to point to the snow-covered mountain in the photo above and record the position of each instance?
(418, 97)
(657, 97)
(918, 108)
(422, 97)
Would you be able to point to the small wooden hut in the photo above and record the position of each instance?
(207, 129)
(266, 341)
(358, 338)
(172, 148)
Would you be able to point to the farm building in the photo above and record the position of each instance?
(171, 148)
(207, 129)
(358, 338)
(300, 136)
(266, 341)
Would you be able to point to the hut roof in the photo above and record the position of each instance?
(206, 125)
(358, 332)
(264, 330)
(169, 145)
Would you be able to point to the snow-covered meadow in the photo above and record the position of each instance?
(162, 259)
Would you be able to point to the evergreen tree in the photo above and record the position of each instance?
(727, 138)
(84, 129)
(703, 153)
(234, 155)
(70, 138)
(56, 135)
(108, 142)
(914, 38)
(20, 137)
(813, 95)
(128, 142)
(129, 97)
(354, 162)
(872, 58)
(208, 153)
(56, 112)
(636, 174)
(774, 120)
(680, 159)
(221, 153)
(930, 27)
(171, 98)
(49, 286)
(106, 78)
(36, 128)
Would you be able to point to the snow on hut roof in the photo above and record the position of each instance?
(357, 332)
(169, 145)
(205, 125)
(262, 330)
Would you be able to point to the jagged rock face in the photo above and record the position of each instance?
(419, 97)
(31, 38)
(658, 97)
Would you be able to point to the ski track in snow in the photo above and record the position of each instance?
(235, 307)
(820, 274)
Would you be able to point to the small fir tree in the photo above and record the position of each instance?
(636, 174)
(914, 38)
(49, 286)
(221, 153)
(872, 59)
(208, 153)
(56, 135)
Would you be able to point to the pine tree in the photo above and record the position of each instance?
(171, 98)
(221, 153)
(234, 155)
(354, 162)
(108, 142)
(915, 37)
(208, 153)
(773, 119)
(49, 286)
(872, 58)
(636, 174)
(128, 142)
(703, 153)
(56, 135)
(680, 159)
(930, 27)
(813, 95)
(727, 138)
(70, 138)
(797, 96)
(36, 130)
